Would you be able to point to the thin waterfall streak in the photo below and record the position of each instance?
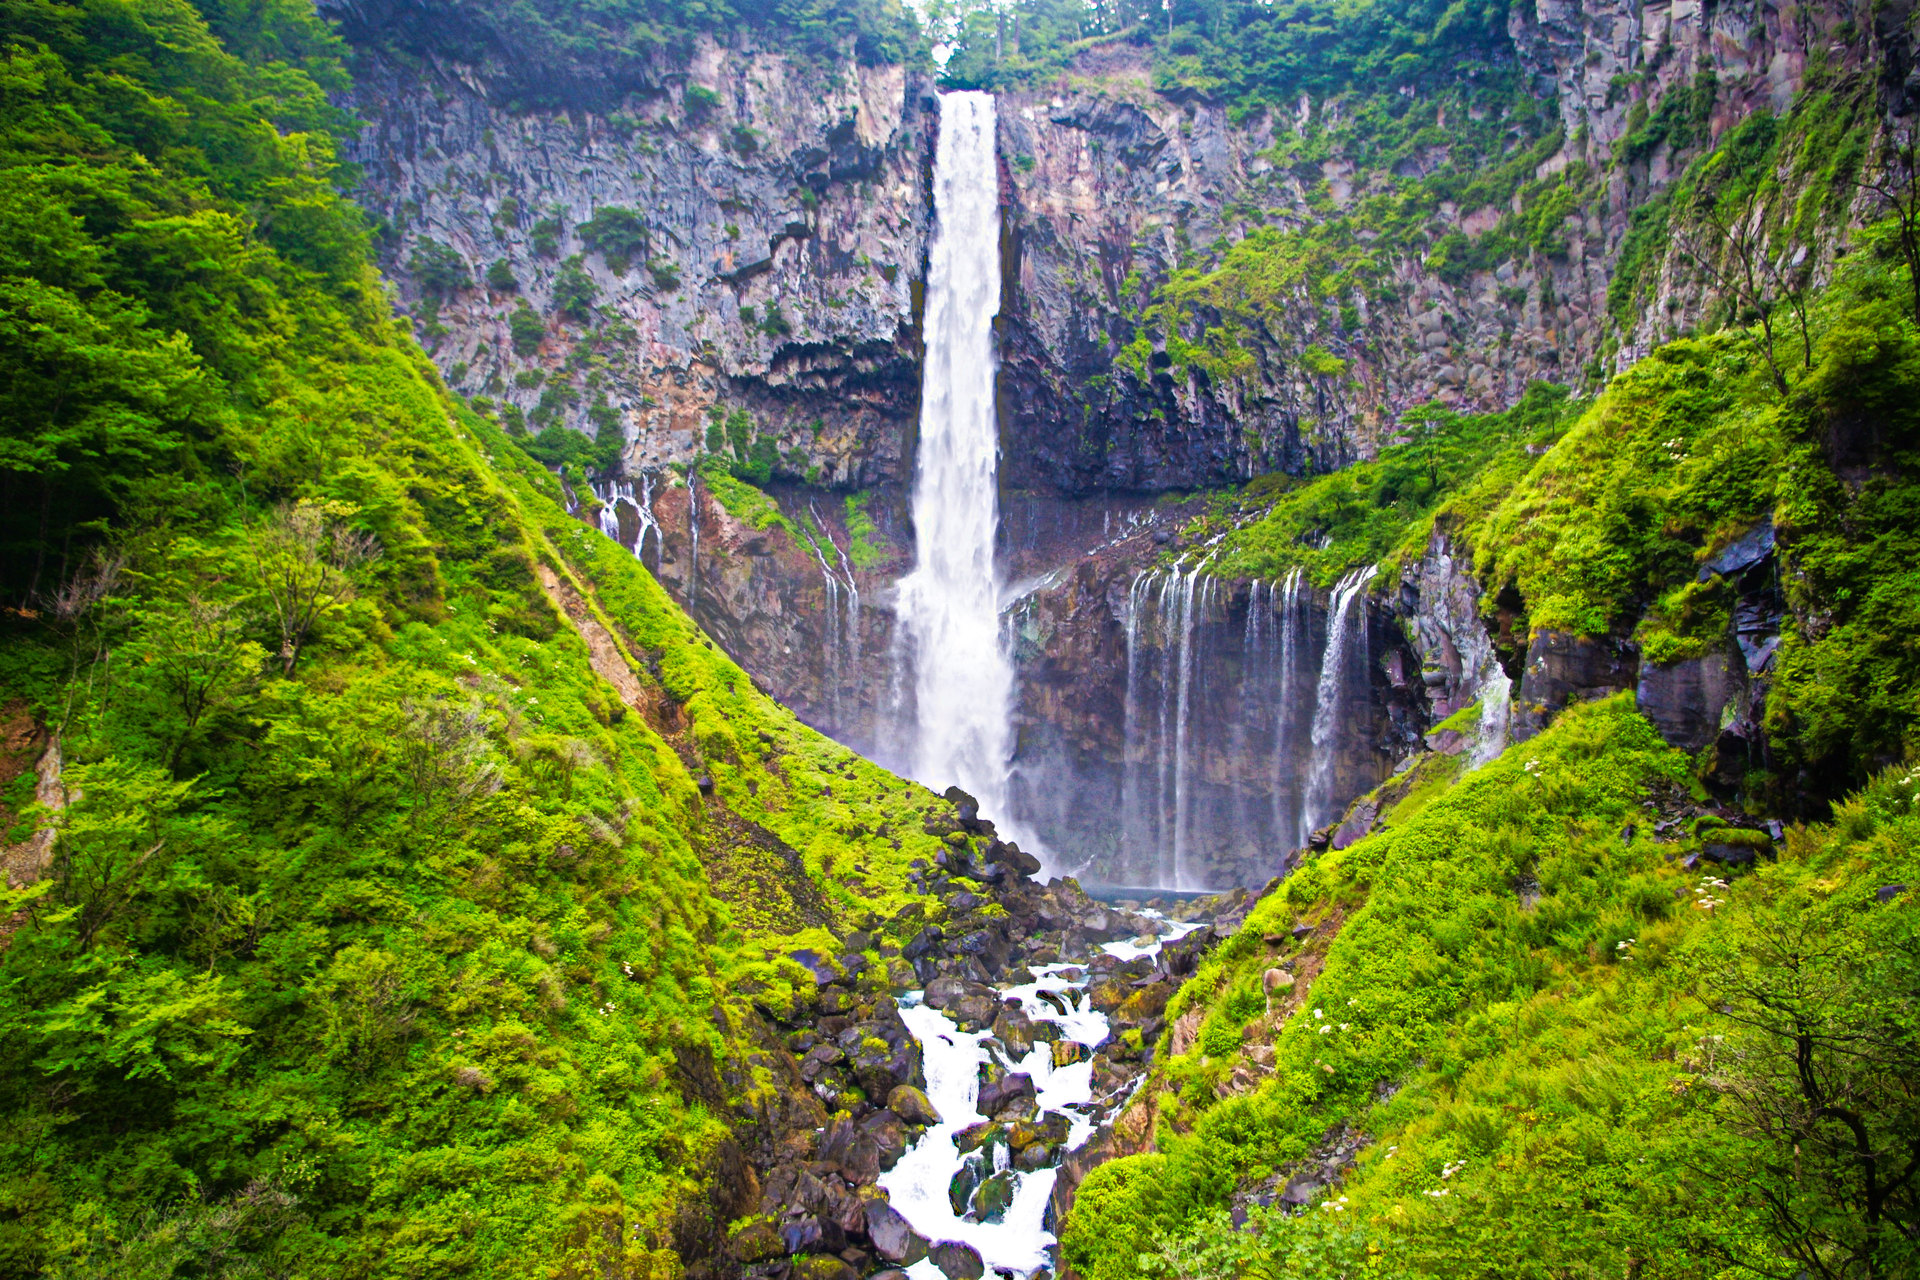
(853, 589)
(1285, 767)
(1329, 697)
(648, 524)
(1183, 722)
(693, 524)
(1131, 748)
(830, 628)
(1169, 669)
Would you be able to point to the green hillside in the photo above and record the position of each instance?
(388, 930)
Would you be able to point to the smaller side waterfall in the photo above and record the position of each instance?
(1337, 666)
(1235, 726)
(617, 494)
(840, 620)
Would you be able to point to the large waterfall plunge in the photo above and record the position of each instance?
(950, 603)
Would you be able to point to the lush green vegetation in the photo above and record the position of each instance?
(1552, 1048)
(384, 931)
(1604, 531)
(1250, 54)
(1379, 511)
(568, 52)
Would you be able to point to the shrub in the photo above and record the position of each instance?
(527, 328)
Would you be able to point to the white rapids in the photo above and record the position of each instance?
(917, 1185)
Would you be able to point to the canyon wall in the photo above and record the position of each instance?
(752, 230)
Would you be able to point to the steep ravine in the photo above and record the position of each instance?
(766, 307)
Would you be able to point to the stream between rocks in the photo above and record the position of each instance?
(978, 1185)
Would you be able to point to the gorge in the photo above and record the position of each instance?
(768, 640)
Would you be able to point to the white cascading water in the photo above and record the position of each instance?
(917, 1186)
(1336, 662)
(1291, 605)
(950, 603)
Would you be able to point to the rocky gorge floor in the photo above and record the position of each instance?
(966, 1068)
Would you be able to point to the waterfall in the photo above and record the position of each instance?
(830, 625)
(950, 603)
(1336, 662)
(853, 589)
(1137, 817)
(1190, 669)
(693, 524)
(1234, 727)
(614, 494)
(1288, 820)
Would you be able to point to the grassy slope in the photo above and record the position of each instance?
(1532, 1078)
(412, 963)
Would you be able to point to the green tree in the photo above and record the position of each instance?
(618, 234)
(574, 291)
(527, 329)
(303, 558)
(439, 268)
(1821, 1077)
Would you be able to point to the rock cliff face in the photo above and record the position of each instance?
(751, 231)
(761, 227)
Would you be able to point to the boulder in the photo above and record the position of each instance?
(757, 1241)
(818, 1060)
(812, 1235)
(1009, 854)
(974, 1012)
(822, 1267)
(818, 965)
(993, 1198)
(893, 1236)
(1068, 1052)
(965, 807)
(1011, 1098)
(888, 1134)
(912, 1105)
(983, 1134)
(960, 1187)
(943, 993)
(957, 1260)
(1300, 1191)
(1109, 993)
(1013, 1029)
(1049, 1130)
(1037, 1156)
(926, 941)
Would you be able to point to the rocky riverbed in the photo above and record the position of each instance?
(960, 1065)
